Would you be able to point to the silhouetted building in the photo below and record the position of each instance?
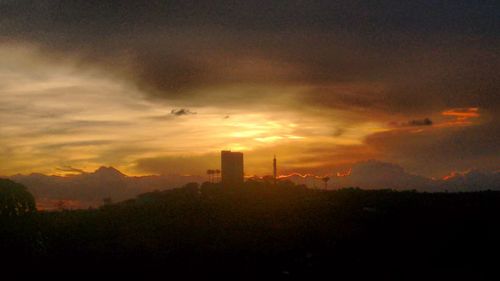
(232, 168)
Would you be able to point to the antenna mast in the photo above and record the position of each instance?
(274, 169)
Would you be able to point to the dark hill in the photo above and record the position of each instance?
(285, 231)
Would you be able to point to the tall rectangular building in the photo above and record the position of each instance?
(232, 168)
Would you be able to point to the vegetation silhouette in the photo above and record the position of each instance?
(15, 200)
(19, 234)
(262, 229)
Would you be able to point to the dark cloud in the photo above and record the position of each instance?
(419, 17)
(373, 56)
(380, 175)
(437, 151)
(71, 170)
(420, 122)
(181, 112)
(61, 145)
(381, 60)
(413, 123)
(471, 180)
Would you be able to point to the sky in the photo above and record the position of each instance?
(160, 87)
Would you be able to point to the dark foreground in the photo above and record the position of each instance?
(257, 231)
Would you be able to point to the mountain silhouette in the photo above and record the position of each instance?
(89, 189)
(108, 172)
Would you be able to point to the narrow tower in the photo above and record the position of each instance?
(274, 169)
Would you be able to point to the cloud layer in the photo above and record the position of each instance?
(322, 82)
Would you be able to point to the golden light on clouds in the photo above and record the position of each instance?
(462, 116)
(56, 115)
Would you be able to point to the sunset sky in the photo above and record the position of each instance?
(160, 87)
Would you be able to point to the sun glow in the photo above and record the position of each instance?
(64, 117)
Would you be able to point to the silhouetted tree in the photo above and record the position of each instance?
(210, 174)
(325, 180)
(217, 174)
(192, 187)
(15, 200)
(107, 201)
